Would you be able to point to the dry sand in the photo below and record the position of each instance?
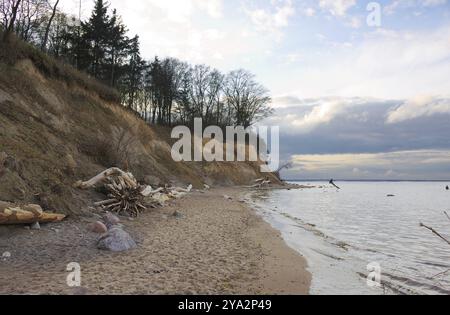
(217, 246)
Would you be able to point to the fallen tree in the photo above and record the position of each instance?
(29, 214)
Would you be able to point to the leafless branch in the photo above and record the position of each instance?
(435, 233)
(446, 214)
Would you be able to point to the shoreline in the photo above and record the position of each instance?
(213, 246)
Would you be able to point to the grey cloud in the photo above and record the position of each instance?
(358, 126)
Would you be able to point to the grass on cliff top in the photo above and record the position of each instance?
(15, 50)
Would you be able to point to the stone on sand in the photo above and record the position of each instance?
(98, 227)
(116, 240)
(35, 226)
(6, 255)
(177, 215)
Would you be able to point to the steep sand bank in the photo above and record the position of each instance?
(215, 246)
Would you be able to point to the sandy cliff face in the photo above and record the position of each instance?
(53, 133)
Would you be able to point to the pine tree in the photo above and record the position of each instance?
(96, 32)
(134, 73)
(118, 45)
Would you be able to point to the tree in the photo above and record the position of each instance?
(49, 24)
(31, 16)
(134, 73)
(117, 45)
(96, 32)
(9, 10)
(249, 99)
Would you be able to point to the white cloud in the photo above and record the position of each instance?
(405, 4)
(337, 7)
(419, 107)
(319, 115)
(318, 112)
(384, 64)
(274, 19)
(309, 12)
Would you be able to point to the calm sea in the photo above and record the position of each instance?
(341, 232)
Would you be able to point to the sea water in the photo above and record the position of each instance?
(343, 232)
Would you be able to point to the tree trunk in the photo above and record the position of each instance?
(10, 27)
(49, 24)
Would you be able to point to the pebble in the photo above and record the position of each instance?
(6, 255)
(35, 226)
(98, 227)
(177, 215)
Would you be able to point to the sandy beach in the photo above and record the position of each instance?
(213, 246)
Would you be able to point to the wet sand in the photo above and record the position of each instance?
(214, 246)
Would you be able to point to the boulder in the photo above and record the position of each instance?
(116, 240)
(98, 227)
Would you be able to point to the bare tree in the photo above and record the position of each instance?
(49, 24)
(249, 99)
(10, 9)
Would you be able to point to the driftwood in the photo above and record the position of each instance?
(435, 233)
(260, 183)
(446, 214)
(28, 214)
(126, 195)
(105, 176)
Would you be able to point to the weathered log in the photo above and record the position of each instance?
(28, 214)
(103, 177)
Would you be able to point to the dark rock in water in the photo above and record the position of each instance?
(110, 220)
(35, 226)
(116, 240)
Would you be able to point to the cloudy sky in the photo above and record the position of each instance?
(354, 101)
